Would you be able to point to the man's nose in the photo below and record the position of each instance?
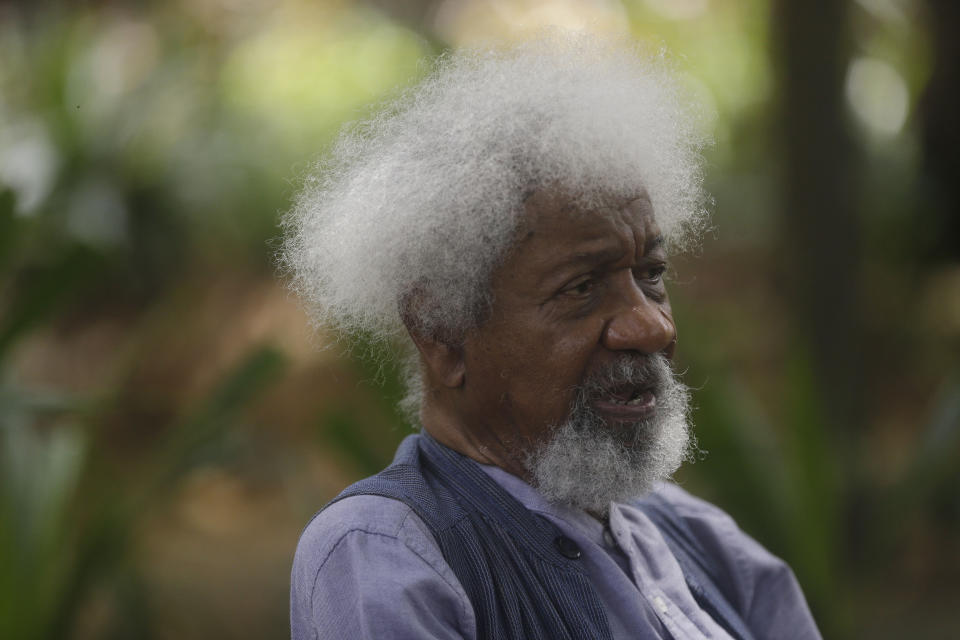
(641, 325)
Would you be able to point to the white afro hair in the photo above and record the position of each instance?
(423, 200)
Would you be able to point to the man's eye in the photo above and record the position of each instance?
(580, 287)
(653, 275)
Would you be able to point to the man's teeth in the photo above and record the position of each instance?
(641, 397)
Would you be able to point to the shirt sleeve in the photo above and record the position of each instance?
(367, 567)
(767, 593)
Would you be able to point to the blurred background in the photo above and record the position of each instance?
(168, 421)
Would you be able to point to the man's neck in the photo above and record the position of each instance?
(445, 427)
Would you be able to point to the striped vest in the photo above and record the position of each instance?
(516, 567)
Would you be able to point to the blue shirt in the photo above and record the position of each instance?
(368, 567)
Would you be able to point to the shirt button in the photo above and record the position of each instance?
(660, 604)
(608, 537)
(567, 547)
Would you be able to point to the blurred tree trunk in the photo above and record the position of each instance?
(819, 228)
(940, 127)
(818, 267)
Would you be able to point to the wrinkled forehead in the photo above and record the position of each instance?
(554, 211)
(556, 230)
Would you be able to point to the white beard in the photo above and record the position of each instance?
(587, 463)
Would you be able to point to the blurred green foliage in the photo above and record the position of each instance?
(67, 510)
(145, 151)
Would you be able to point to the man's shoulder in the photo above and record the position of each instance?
(369, 515)
(762, 585)
(716, 531)
(693, 509)
(363, 567)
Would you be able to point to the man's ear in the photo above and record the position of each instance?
(444, 360)
(442, 355)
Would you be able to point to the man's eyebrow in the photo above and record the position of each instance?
(598, 256)
(579, 260)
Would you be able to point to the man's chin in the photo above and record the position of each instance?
(587, 464)
(610, 449)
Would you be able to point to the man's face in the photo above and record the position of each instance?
(581, 293)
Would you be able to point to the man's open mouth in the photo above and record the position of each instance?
(626, 394)
(626, 403)
(635, 397)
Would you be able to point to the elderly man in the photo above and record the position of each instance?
(512, 216)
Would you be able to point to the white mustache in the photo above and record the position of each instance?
(649, 372)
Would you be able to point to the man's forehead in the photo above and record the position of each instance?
(578, 219)
(559, 198)
(559, 236)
